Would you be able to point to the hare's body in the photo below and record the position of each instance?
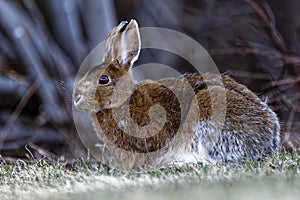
(194, 118)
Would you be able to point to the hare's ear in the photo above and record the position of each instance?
(123, 44)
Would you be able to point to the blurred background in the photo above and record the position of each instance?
(43, 43)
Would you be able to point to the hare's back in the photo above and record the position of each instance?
(233, 122)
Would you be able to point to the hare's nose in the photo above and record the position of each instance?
(77, 98)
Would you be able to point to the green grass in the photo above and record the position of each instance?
(274, 178)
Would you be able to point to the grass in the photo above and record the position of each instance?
(277, 177)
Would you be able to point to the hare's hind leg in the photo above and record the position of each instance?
(250, 130)
(219, 147)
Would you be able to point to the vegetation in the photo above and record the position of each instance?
(277, 177)
(43, 43)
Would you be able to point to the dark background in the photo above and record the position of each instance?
(43, 42)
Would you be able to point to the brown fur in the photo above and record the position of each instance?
(208, 116)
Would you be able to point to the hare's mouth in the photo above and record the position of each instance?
(79, 102)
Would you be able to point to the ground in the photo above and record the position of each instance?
(277, 177)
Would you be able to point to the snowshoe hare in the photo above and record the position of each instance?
(175, 120)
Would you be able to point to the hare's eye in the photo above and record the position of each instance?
(103, 79)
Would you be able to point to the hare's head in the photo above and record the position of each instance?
(108, 84)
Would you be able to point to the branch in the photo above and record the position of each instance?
(14, 116)
(18, 31)
(285, 81)
(288, 59)
(269, 19)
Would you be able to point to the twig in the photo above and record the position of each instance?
(259, 11)
(289, 122)
(296, 97)
(269, 20)
(277, 37)
(31, 156)
(14, 116)
(42, 151)
(68, 29)
(22, 40)
(54, 54)
(292, 114)
(288, 59)
(101, 18)
(246, 74)
(285, 81)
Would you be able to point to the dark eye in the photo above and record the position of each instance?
(103, 79)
